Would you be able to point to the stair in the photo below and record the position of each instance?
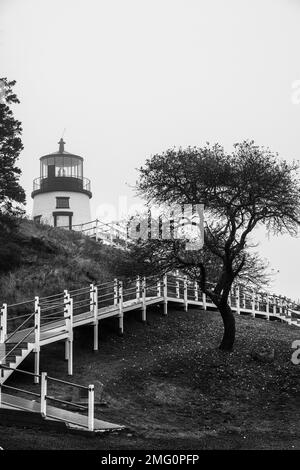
(14, 358)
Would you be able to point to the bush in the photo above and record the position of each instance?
(10, 255)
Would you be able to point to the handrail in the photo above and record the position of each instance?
(52, 318)
(80, 293)
(20, 303)
(2, 366)
(72, 384)
(105, 295)
(53, 314)
(18, 328)
(21, 390)
(77, 290)
(105, 300)
(84, 301)
(81, 306)
(54, 379)
(60, 306)
(18, 317)
(51, 296)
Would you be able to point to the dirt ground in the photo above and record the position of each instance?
(172, 388)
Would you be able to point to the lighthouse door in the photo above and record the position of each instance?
(63, 219)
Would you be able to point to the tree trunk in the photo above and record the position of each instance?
(229, 327)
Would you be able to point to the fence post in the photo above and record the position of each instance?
(258, 298)
(177, 289)
(3, 323)
(237, 297)
(94, 304)
(68, 314)
(91, 408)
(96, 234)
(253, 303)
(138, 287)
(70, 361)
(159, 288)
(116, 292)
(204, 300)
(244, 299)
(121, 313)
(274, 304)
(185, 293)
(268, 306)
(144, 286)
(284, 307)
(165, 290)
(44, 394)
(280, 305)
(288, 312)
(37, 329)
(196, 292)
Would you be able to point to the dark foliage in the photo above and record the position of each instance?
(10, 190)
(240, 191)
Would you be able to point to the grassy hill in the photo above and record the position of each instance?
(174, 389)
(53, 259)
(166, 381)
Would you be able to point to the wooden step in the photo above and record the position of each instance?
(11, 345)
(15, 352)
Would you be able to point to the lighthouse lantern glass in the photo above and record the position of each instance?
(61, 166)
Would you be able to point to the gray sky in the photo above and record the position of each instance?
(129, 78)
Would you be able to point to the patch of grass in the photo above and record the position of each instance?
(54, 259)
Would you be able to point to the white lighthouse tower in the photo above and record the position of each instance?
(61, 195)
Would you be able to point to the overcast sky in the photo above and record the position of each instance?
(129, 78)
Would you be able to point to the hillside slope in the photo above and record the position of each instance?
(54, 259)
(171, 386)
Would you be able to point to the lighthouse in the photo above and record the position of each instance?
(61, 195)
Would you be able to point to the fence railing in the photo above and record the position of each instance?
(25, 322)
(107, 232)
(43, 398)
(66, 307)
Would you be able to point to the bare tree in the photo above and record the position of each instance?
(240, 191)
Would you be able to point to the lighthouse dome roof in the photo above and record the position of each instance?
(61, 152)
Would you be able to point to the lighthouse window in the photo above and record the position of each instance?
(62, 203)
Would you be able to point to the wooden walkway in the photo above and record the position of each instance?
(28, 326)
(74, 420)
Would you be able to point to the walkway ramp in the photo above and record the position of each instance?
(27, 326)
(55, 415)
